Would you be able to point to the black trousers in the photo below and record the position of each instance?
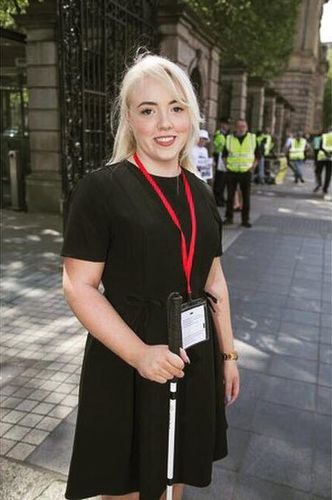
(243, 179)
(327, 164)
(219, 186)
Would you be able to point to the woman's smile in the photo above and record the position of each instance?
(166, 140)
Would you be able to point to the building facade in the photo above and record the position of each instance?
(292, 101)
(302, 84)
(76, 51)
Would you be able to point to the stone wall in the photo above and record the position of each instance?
(299, 89)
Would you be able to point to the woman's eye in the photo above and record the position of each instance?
(146, 111)
(177, 109)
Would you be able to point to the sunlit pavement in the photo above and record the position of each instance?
(279, 276)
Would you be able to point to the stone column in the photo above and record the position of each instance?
(213, 79)
(321, 76)
(43, 185)
(279, 123)
(269, 112)
(238, 80)
(257, 93)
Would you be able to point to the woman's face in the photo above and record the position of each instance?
(160, 124)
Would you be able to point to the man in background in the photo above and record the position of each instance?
(324, 162)
(315, 142)
(219, 142)
(241, 154)
(296, 154)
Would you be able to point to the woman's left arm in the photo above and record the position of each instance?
(217, 287)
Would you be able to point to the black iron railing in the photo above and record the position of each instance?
(97, 38)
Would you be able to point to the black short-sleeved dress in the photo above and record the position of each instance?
(120, 443)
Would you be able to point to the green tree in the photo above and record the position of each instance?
(9, 7)
(327, 104)
(255, 34)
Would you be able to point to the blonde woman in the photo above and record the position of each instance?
(120, 233)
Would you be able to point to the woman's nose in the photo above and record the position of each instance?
(165, 122)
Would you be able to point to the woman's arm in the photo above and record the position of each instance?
(217, 287)
(80, 283)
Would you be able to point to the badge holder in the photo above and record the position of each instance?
(194, 322)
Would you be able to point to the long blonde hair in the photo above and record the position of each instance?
(176, 80)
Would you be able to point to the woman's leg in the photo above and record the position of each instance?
(177, 492)
(130, 496)
(177, 495)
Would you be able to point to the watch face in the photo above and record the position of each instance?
(231, 356)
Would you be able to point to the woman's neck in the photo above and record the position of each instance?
(166, 169)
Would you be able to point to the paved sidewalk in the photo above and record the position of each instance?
(279, 275)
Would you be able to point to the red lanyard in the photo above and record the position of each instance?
(187, 258)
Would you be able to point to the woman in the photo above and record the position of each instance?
(119, 232)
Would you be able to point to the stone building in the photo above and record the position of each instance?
(294, 99)
(67, 67)
(303, 82)
(76, 51)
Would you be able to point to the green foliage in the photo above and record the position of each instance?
(327, 103)
(255, 34)
(329, 59)
(8, 7)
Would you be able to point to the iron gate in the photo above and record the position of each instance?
(97, 39)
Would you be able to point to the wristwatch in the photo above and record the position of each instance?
(227, 356)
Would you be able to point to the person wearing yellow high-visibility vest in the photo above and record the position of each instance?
(267, 143)
(324, 161)
(296, 154)
(219, 142)
(315, 144)
(259, 176)
(241, 154)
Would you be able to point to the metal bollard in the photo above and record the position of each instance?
(16, 181)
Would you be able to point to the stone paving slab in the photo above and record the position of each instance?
(26, 483)
(279, 275)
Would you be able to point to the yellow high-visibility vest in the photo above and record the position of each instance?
(268, 145)
(297, 149)
(219, 141)
(241, 156)
(327, 145)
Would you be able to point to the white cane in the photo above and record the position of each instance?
(171, 441)
(174, 343)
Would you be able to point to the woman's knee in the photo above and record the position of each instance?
(177, 492)
(130, 496)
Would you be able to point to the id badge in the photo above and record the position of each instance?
(194, 322)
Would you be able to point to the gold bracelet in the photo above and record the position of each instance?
(227, 356)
